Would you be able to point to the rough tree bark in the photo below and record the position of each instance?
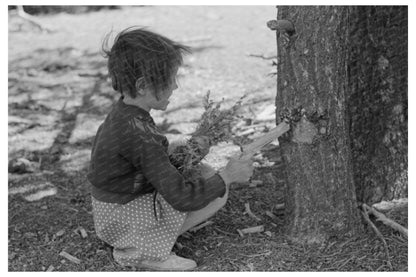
(312, 85)
(377, 101)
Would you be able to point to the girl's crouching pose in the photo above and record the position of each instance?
(141, 203)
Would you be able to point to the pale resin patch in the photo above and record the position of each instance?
(304, 132)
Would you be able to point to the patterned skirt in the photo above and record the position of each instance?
(138, 230)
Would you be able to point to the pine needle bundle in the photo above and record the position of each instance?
(214, 126)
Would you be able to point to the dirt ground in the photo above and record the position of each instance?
(59, 94)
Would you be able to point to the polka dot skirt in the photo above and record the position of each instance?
(133, 230)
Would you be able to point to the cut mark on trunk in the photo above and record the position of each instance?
(304, 132)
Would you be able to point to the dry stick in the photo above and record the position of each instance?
(224, 232)
(250, 213)
(250, 149)
(267, 253)
(367, 219)
(387, 221)
(256, 229)
(345, 262)
(240, 233)
(70, 257)
(280, 206)
(271, 215)
(200, 226)
(82, 232)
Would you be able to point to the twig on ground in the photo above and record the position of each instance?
(379, 235)
(179, 245)
(387, 221)
(240, 233)
(186, 235)
(346, 262)
(224, 232)
(255, 183)
(250, 230)
(200, 226)
(81, 231)
(267, 253)
(280, 206)
(271, 215)
(50, 268)
(70, 257)
(246, 132)
(250, 213)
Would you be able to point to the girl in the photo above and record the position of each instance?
(141, 203)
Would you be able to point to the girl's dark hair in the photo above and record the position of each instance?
(139, 53)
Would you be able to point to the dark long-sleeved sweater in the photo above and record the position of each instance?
(129, 158)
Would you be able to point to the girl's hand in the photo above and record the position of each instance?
(203, 144)
(237, 171)
(174, 144)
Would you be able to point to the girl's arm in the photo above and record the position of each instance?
(184, 195)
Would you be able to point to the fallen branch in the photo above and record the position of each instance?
(250, 213)
(378, 233)
(200, 226)
(387, 221)
(251, 230)
(70, 257)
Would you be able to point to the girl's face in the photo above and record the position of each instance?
(147, 100)
(162, 102)
(164, 96)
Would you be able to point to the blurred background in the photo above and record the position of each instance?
(59, 69)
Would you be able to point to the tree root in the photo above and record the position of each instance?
(379, 235)
(387, 221)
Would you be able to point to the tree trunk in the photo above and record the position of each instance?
(377, 102)
(312, 84)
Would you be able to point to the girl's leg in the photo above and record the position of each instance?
(196, 217)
